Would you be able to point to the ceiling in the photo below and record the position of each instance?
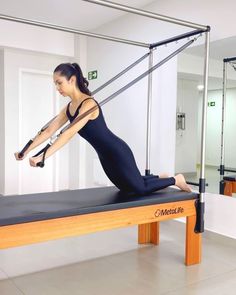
(77, 14)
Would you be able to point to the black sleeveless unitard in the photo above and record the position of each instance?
(117, 158)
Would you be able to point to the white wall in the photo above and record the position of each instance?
(36, 49)
(186, 140)
(220, 215)
(2, 122)
(15, 61)
(77, 145)
(34, 38)
(213, 142)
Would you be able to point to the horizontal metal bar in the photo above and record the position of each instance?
(147, 14)
(176, 38)
(194, 183)
(230, 170)
(71, 30)
(223, 170)
(229, 59)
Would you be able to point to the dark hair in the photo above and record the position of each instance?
(73, 69)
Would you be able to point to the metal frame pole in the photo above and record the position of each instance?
(147, 14)
(149, 114)
(229, 59)
(176, 38)
(71, 30)
(222, 154)
(202, 181)
(204, 118)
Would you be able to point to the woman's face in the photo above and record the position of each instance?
(63, 86)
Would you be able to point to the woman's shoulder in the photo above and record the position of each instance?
(89, 101)
(88, 104)
(89, 98)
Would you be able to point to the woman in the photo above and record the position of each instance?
(115, 155)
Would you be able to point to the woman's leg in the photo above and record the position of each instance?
(156, 183)
(124, 173)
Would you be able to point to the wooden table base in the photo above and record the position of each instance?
(146, 217)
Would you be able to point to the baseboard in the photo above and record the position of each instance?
(208, 166)
(218, 238)
(213, 236)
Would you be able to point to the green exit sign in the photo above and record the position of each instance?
(211, 103)
(92, 75)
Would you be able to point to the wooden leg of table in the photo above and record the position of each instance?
(148, 233)
(193, 242)
(234, 187)
(228, 188)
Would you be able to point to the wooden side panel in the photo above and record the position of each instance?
(39, 231)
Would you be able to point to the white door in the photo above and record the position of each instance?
(36, 109)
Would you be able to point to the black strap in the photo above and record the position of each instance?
(21, 153)
(44, 150)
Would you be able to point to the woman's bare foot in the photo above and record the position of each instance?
(180, 182)
(164, 175)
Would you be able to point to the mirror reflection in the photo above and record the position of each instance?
(220, 139)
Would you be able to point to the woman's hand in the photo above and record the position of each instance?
(35, 160)
(17, 156)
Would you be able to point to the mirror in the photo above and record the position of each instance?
(189, 101)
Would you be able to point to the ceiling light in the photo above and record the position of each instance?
(200, 87)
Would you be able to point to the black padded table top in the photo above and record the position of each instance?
(42, 206)
(230, 177)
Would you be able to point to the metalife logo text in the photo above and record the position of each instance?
(163, 212)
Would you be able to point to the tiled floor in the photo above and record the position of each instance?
(111, 263)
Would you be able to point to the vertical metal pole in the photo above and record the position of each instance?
(149, 108)
(204, 118)
(222, 156)
(202, 180)
(222, 151)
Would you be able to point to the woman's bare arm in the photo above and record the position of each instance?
(56, 124)
(69, 133)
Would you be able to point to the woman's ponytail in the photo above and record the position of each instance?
(73, 69)
(82, 82)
